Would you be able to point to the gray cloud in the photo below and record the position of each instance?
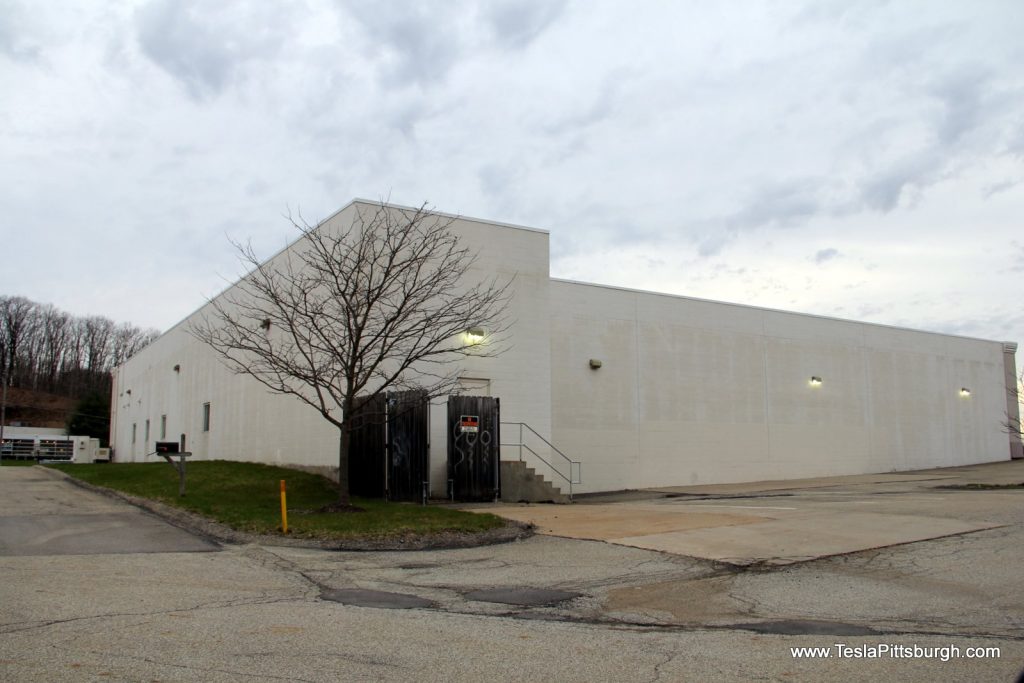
(997, 324)
(586, 114)
(997, 188)
(517, 23)
(16, 41)
(1016, 257)
(202, 45)
(418, 44)
(422, 42)
(774, 204)
(963, 98)
(823, 255)
(882, 191)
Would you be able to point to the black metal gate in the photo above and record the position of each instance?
(394, 424)
(473, 447)
(408, 445)
(366, 447)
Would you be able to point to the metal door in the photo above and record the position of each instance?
(473, 447)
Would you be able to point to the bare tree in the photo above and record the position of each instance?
(17, 320)
(98, 336)
(55, 328)
(127, 340)
(382, 304)
(1014, 424)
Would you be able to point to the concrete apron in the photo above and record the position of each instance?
(769, 530)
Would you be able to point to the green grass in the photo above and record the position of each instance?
(11, 462)
(246, 496)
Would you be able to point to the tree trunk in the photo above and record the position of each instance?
(343, 450)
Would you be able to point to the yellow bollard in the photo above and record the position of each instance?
(284, 509)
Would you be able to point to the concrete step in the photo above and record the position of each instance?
(520, 483)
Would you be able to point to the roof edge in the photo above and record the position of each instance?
(766, 309)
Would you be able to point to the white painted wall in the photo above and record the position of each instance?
(249, 423)
(697, 392)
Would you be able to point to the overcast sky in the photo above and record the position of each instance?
(855, 159)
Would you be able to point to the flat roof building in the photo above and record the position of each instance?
(639, 389)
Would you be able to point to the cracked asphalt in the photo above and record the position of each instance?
(260, 612)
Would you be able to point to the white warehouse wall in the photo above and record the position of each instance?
(697, 392)
(249, 423)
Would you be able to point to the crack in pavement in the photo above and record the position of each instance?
(201, 669)
(214, 605)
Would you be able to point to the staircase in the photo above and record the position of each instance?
(521, 484)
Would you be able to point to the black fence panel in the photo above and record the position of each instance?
(473, 447)
(366, 474)
(408, 445)
(389, 451)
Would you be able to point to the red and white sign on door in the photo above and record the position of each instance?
(469, 424)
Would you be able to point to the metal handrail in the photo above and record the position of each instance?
(574, 465)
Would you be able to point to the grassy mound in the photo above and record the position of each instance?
(246, 497)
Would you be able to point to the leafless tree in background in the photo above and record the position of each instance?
(384, 304)
(44, 348)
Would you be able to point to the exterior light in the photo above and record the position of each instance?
(475, 335)
(965, 392)
(815, 381)
(595, 363)
(177, 367)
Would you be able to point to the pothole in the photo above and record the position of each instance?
(806, 627)
(533, 597)
(359, 597)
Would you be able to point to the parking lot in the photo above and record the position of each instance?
(584, 601)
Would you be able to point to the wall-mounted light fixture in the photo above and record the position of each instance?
(595, 363)
(475, 335)
(265, 325)
(128, 391)
(965, 392)
(815, 381)
(177, 367)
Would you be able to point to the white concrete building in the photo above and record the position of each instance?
(642, 389)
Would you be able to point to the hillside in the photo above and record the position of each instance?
(37, 408)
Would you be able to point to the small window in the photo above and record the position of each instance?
(133, 432)
(206, 417)
(163, 427)
(146, 440)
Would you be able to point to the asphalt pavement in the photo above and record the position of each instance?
(547, 608)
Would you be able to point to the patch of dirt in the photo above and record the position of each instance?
(338, 507)
(703, 601)
(208, 528)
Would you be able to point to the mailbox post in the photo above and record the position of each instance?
(168, 450)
